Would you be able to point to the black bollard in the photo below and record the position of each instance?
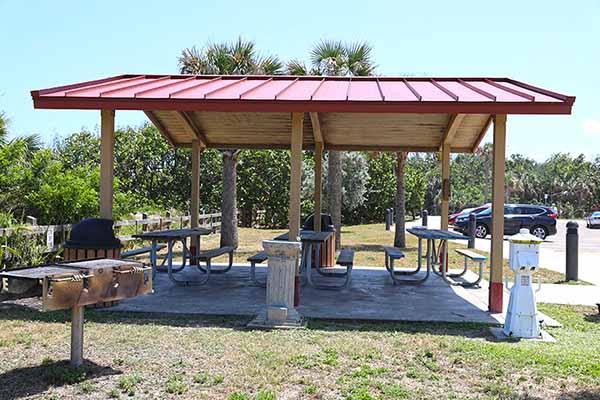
(471, 230)
(424, 218)
(388, 219)
(572, 267)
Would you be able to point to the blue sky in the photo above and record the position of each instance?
(553, 44)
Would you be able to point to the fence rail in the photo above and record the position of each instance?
(57, 234)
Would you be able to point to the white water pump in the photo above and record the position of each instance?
(522, 316)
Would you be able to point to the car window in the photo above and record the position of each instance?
(487, 211)
(530, 210)
(596, 214)
(508, 210)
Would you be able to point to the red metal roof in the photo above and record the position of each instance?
(307, 94)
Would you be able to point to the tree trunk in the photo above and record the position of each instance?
(400, 235)
(229, 231)
(334, 193)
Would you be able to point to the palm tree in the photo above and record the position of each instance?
(3, 128)
(236, 58)
(399, 231)
(337, 58)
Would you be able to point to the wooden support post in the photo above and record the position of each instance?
(296, 175)
(195, 200)
(107, 156)
(318, 184)
(445, 185)
(77, 336)
(497, 261)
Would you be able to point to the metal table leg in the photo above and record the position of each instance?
(183, 282)
(178, 268)
(410, 272)
(307, 258)
(329, 274)
(153, 257)
(393, 274)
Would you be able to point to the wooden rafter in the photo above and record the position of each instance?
(191, 127)
(482, 133)
(316, 127)
(161, 128)
(451, 129)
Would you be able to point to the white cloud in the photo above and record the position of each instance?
(591, 126)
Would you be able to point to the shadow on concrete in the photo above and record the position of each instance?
(29, 381)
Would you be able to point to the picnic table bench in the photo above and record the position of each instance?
(472, 256)
(257, 258)
(206, 256)
(140, 251)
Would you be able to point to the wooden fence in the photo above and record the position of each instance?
(57, 234)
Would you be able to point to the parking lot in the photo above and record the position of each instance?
(552, 255)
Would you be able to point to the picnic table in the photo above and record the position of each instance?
(434, 257)
(170, 237)
(309, 240)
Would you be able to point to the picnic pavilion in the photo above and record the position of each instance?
(445, 115)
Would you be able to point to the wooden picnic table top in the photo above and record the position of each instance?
(172, 234)
(309, 236)
(440, 234)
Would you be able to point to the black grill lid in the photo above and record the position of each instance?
(93, 233)
(326, 223)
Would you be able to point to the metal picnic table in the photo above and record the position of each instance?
(310, 239)
(171, 236)
(432, 256)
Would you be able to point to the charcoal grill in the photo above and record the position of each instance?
(77, 284)
(327, 258)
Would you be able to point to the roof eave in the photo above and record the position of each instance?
(430, 107)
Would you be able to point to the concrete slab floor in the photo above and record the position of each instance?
(371, 296)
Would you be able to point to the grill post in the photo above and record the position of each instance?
(77, 336)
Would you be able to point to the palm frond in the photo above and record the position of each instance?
(296, 67)
(270, 65)
(192, 61)
(3, 127)
(360, 59)
(329, 57)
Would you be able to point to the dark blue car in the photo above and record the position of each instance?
(540, 220)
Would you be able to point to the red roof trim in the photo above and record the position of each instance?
(429, 107)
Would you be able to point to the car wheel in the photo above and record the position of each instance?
(481, 231)
(539, 232)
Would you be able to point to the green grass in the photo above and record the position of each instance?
(176, 384)
(187, 357)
